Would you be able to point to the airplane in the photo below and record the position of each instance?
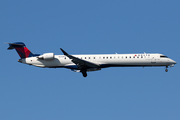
(91, 62)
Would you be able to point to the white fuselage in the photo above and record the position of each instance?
(103, 60)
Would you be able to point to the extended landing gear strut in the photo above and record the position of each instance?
(166, 69)
(84, 72)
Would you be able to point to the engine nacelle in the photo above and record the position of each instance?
(46, 56)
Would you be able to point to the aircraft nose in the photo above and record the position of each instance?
(173, 62)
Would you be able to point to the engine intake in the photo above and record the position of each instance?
(46, 56)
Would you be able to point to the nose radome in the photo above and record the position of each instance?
(174, 62)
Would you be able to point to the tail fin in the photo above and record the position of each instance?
(21, 49)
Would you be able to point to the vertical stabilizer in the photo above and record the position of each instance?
(21, 49)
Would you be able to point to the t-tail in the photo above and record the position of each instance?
(21, 49)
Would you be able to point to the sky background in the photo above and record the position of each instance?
(90, 27)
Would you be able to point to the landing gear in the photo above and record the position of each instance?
(166, 69)
(84, 72)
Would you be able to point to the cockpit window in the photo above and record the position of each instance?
(162, 56)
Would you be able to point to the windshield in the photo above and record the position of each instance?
(162, 56)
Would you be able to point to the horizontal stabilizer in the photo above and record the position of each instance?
(10, 48)
(13, 45)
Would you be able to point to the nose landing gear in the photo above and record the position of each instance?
(166, 69)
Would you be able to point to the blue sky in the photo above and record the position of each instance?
(90, 27)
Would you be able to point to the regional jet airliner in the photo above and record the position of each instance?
(92, 62)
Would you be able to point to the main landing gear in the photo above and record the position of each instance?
(84, 72)
(166, 69)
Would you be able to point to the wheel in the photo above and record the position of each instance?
(166, 70)
(84, 74)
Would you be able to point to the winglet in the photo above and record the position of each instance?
(65, 53)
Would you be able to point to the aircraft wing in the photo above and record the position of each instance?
(79, 62)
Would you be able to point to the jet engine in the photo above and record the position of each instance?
(46, 56)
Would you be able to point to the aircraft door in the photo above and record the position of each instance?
(153, 60)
